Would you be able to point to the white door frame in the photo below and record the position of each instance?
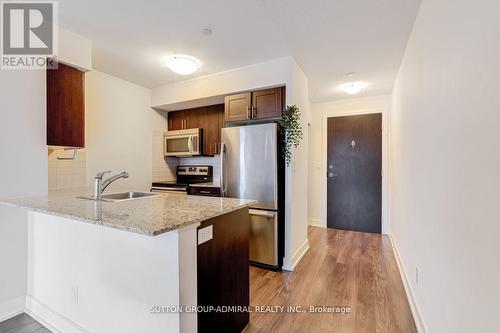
(385, 161)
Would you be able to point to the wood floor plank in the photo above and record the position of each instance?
(22, 323)
(342, 268)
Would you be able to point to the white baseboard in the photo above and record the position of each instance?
(415, 310)
(289, 264)
(12, 308)
(50, 318)
(316, 223)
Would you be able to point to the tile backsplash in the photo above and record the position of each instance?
(64, 174)
(164, 168)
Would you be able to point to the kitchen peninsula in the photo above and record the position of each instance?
(104, 266)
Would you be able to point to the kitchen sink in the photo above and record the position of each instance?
(122, 196)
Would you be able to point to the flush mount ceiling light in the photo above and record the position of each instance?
(352, 88)
(182, 65)
(207, 31)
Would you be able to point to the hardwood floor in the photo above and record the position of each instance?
(341, 268)
(22, 324)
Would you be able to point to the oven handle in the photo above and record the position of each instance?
(164, 189)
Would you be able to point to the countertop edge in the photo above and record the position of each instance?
(122, 227)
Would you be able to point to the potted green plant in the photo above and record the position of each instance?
(290, 122)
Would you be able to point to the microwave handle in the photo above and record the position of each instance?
(165, 146)
(190, 144)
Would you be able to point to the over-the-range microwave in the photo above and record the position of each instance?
(183, 143)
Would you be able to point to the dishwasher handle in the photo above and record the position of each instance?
(267, 215)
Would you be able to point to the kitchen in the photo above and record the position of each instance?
(100, 147)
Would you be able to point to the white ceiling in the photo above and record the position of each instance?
(327, 38)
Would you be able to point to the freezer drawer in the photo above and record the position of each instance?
(264, 237)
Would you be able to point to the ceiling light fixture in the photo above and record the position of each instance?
(352, 88)
(182, 65)
(207, 31)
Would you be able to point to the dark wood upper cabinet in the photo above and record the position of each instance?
(261, 104)
(213, 122)
(208, 118)
(238, 107)
(267, 103)
(65, 107)
(195, 118)
(176, 120)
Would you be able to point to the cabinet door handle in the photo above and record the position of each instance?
(249, 115)
(254, 110)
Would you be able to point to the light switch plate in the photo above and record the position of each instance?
(205, 234)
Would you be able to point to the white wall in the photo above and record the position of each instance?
(297, 181)
(277, 72)
(318, 146)
(75, 50)
(445, 162)
(119, 130)
(23, 172)
(266, 74)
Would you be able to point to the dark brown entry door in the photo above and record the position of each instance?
(354, 173)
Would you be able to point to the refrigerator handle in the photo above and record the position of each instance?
(223, 186)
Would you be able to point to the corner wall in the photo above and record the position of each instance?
(23, 172)
(120, 126)
(297, 181)
(445, 162)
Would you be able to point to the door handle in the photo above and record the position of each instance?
(331, 174)
(254, 110)
(249, 115)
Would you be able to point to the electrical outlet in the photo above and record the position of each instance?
(416, 274)
(205, 234)
(75, 294)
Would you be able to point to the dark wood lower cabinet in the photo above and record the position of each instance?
(223, 273)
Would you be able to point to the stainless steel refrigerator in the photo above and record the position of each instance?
(249, 170)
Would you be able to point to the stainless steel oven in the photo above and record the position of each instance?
(183, 143)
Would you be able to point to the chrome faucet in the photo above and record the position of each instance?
(100, 185)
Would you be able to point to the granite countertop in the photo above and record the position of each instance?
(149, 215)
(208, 184)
